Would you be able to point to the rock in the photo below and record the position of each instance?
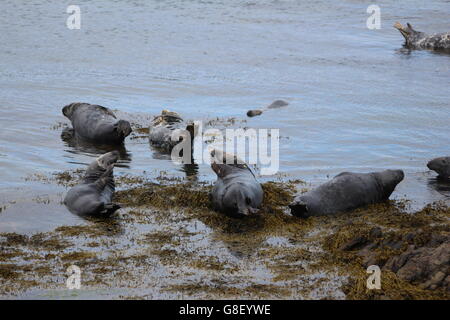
(375, 233)
(427, 266)
(369, 256)
(353, 244)
(409, 237)
(395, 263)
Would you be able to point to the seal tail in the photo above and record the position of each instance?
(299, 209)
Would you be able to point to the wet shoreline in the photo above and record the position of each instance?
(168, 243)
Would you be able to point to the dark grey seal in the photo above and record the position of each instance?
(440, 165)
(236, 192)
(420, 40)
(96, 124)
(94, 194)
(254, 113)
(345, 192)
(163, 126)
(274, 105)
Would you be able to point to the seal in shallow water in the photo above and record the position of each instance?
(440, 165)
(274, 105)
(345, 192)
(236, 191)
(96, 124)
(420, 40)
(164, 125)
(93, 196)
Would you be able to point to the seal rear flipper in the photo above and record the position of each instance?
(299, 209)
(225, 161)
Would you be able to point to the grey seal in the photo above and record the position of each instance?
(94, 194)
(236, 192)
(420, 40)
(345, 192)
(254, 113)
(163, 126)
(96, 124)
(440, 165)
(274, 105)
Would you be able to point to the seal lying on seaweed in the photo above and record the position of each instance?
(163, 127)
(93, 196)
(345, 192)
(236, 192)
(96, 124)
(420, 40)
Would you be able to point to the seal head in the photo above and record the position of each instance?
(237, 200)
(411, 36)
(388, 180)
(441, 166)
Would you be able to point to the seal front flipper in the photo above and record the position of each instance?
(67, 134)
(105, 180)
(109, 209)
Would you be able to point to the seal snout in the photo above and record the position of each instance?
(441, 166)
(392, 177)
(399, 174)
(436, 163)
(431, 165)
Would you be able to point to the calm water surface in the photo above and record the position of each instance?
(357, 100)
